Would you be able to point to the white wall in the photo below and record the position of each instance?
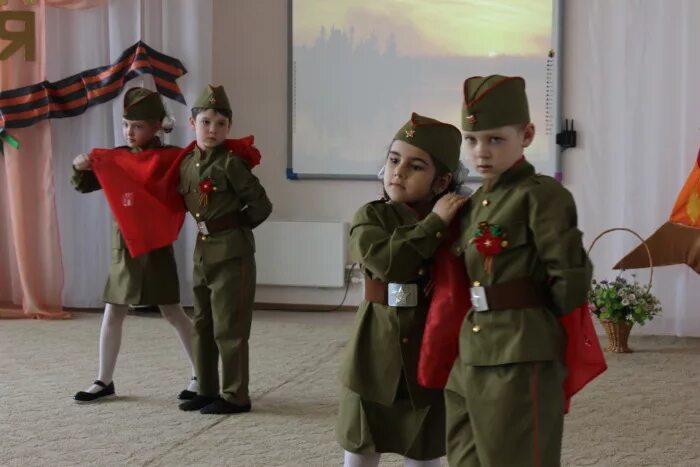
(250, 51)
(251, 61)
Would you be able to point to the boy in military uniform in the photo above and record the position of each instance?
(524, 253)
(383, 408)
(227, 202)
(147, 279)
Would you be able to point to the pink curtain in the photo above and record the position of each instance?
(31, 269)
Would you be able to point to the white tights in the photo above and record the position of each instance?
(111, 337)
(372, 460)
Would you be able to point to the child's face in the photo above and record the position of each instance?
(408, 173)
(210, 128)
(139, 133)
(496, 150)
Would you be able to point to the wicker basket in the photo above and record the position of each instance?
(618, 332)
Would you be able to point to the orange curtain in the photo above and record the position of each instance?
(74, 4)
(31, 269)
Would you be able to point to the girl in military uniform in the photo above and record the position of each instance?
(382, 408)
(144, 280)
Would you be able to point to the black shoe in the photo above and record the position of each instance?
(185, 394)
(197, 402)
(221, 406)
(106, 392)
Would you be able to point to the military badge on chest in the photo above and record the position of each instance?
(489, 240)
(206, 186)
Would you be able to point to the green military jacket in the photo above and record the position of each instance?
(391, 245)
(150, 279)
(538, 218)
(236, 190)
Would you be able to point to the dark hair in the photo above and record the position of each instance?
(228, 113)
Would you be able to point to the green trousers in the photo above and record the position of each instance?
(224, 293)
(506, 415)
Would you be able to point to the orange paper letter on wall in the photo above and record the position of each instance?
(18, 38)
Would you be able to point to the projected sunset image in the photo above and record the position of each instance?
(360, 67)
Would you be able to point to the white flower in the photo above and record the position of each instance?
(625, 302)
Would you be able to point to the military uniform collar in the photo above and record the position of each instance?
(520, 170)
(205, 153)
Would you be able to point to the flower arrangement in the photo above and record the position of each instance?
(623, 301)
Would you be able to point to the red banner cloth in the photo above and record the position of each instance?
(141, 189)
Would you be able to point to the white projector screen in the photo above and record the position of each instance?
(358, 68)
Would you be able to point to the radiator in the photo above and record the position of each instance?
(302, 254)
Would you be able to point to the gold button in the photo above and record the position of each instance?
(196, 215)
(204, 237)
(421, 272)
(405, 340)
(504, 243)
(477, 284)
(476, 328)
(438, 235)
(485, 202)
(214, 188)
(197, 164)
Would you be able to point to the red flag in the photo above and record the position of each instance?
(449, 304)
(141, 189)
(583, 355)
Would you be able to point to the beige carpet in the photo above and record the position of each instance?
(642, 412)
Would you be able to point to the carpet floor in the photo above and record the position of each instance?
(642, 412)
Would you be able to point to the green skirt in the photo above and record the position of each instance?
(366, 427)
(149, 279)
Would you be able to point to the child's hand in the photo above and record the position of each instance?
(447, 206)
(82, 162)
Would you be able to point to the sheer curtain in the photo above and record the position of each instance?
(83, 39)
(88, 38)
(631, 84)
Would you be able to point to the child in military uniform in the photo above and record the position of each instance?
(524, 253)
(148, 279)
(382, 408)
(227, 202)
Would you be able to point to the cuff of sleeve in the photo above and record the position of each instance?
(434, 225)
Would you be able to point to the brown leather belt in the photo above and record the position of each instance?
(511, 295)
(219, 224)
(376, 291)
(515, 295)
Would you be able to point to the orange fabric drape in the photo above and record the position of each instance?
(74, 4)
(31, 273)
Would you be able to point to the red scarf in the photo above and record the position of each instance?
(141, 189)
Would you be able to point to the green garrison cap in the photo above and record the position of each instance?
(143, 104)
(494, 101)
(212, 97)
(440, 140)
